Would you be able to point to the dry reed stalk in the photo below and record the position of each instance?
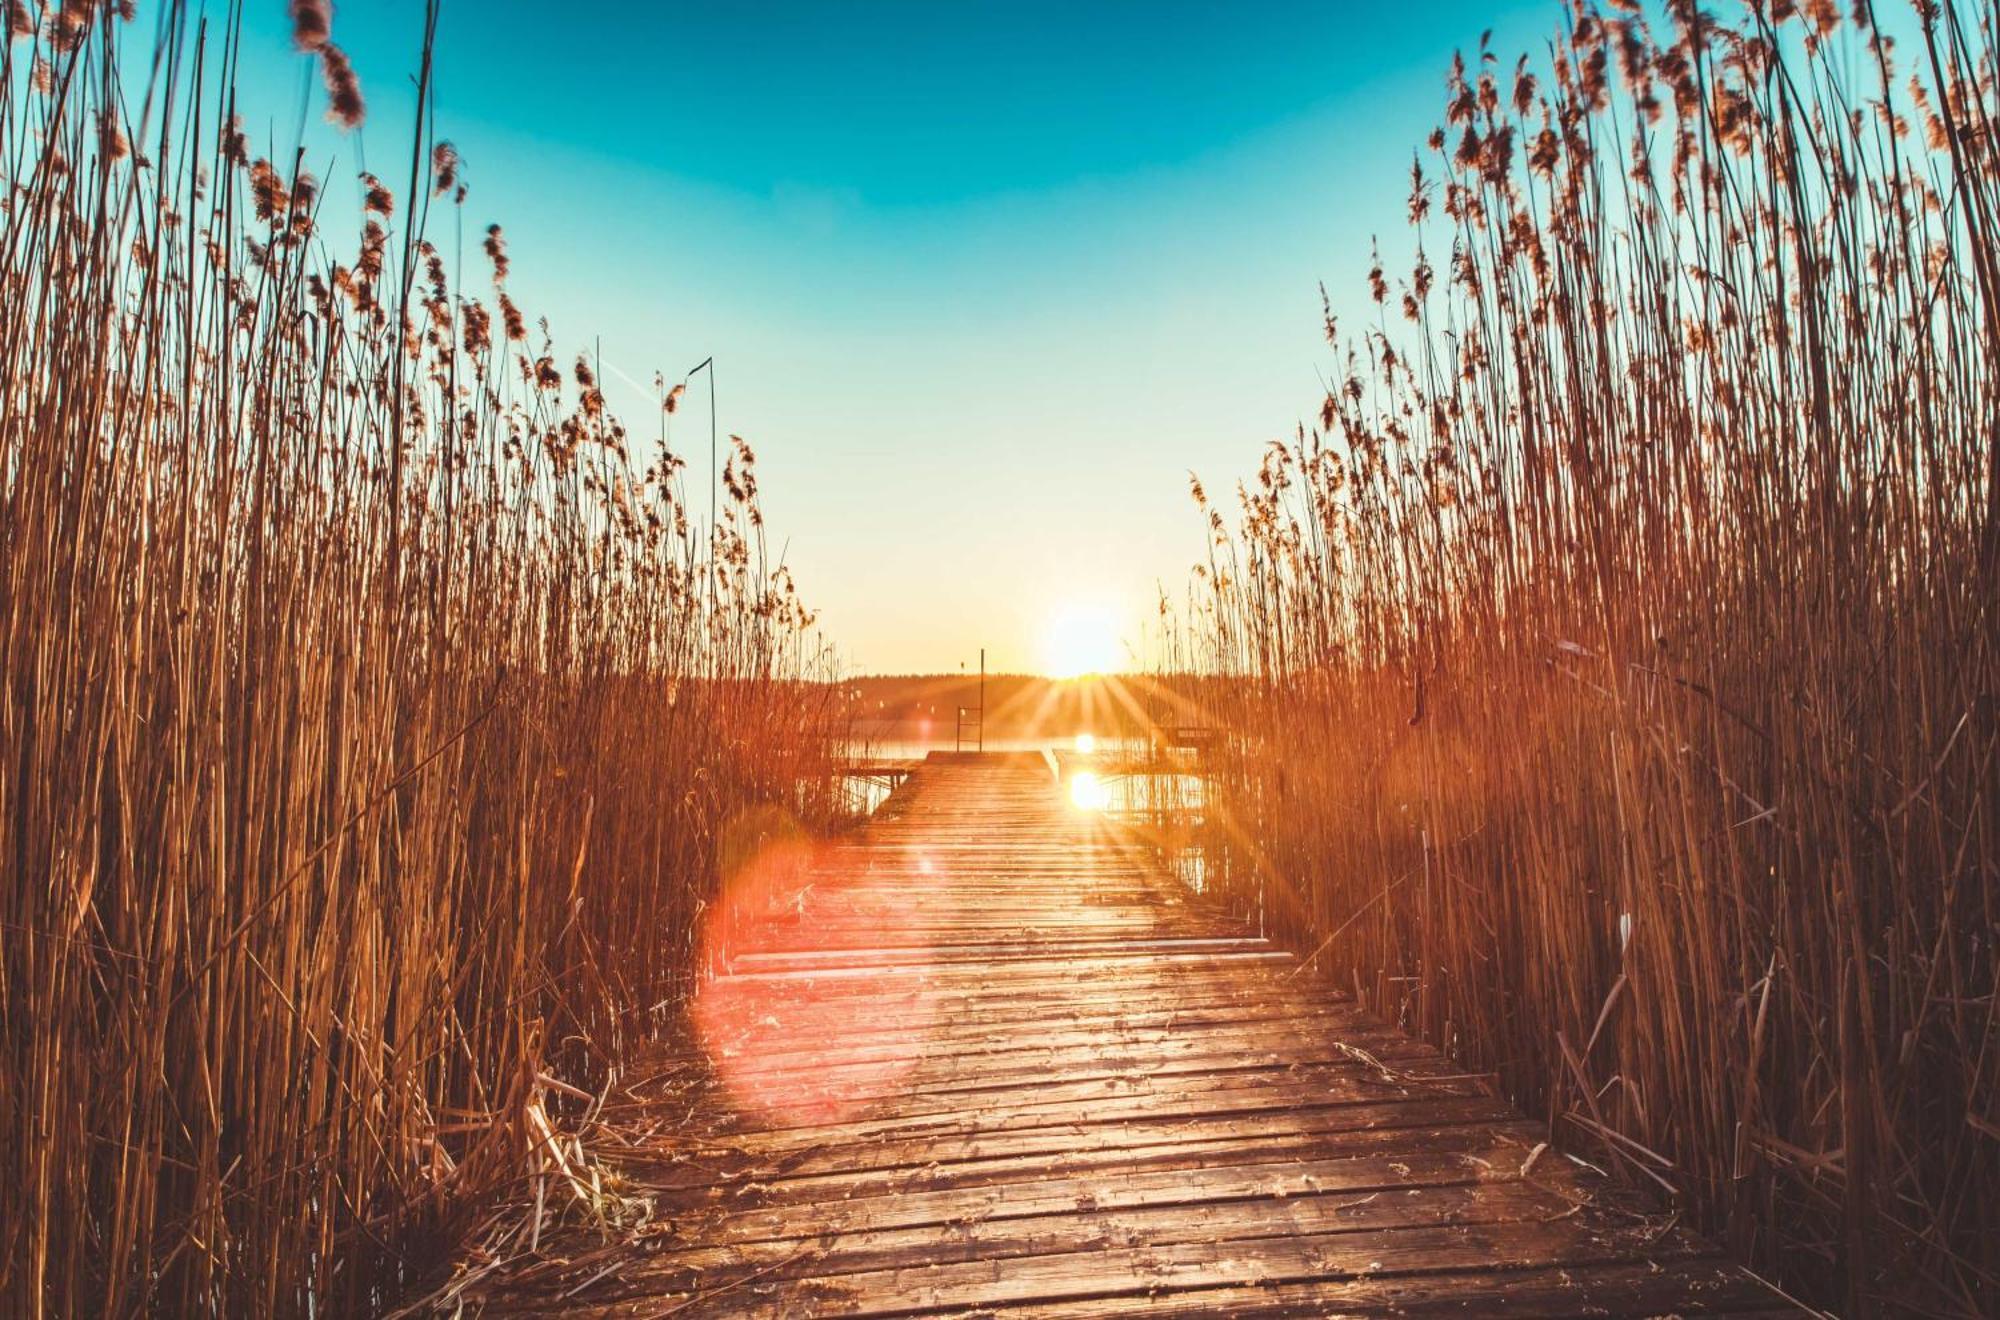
(1616, 663)
(368, 720)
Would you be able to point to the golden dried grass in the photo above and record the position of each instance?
(371, 709)
(1616, 663)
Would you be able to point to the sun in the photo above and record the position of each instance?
(1080, 639)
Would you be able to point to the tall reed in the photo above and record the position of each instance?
(372, 708)
(1617, 657)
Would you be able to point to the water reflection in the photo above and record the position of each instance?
(1171, 794)
(1087, 792)
(1160, 799)
(1162, 802)
(1190, 866)
(1162, 808)
(861, 794)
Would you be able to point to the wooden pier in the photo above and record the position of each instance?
(987, 1058)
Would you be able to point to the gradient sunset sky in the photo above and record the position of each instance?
(983, 282)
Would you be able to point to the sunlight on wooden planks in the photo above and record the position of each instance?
(985, 1056)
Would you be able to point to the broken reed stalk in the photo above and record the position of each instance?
(1616, 660)
(368, 719)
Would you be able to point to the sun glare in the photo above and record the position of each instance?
(1086, 744)
(1079, 640)
(1088, 793)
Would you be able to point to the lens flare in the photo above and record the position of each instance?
(1086, 744)
(1087, 792)
(790, 1042)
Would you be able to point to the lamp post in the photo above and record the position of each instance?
(708, 364)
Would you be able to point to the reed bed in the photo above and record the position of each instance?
(1614, 662)
(373, 709)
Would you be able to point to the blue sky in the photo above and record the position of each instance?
(983, 282)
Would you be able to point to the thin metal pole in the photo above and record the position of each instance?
(982, 698)
(714, 473)
(709, 364)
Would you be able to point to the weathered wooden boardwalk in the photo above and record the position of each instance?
(986, 1058)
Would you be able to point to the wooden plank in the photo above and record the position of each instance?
(1533, 1294)
(1052, 1254)
(1105, 1270)
(988, 1057)
(1114, 1191)
(787, 1049)
(1047, 1152)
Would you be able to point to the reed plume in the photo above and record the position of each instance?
(444, 169)
(343, 87)
(312, 23)
(1614, 664)
(370, 711)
